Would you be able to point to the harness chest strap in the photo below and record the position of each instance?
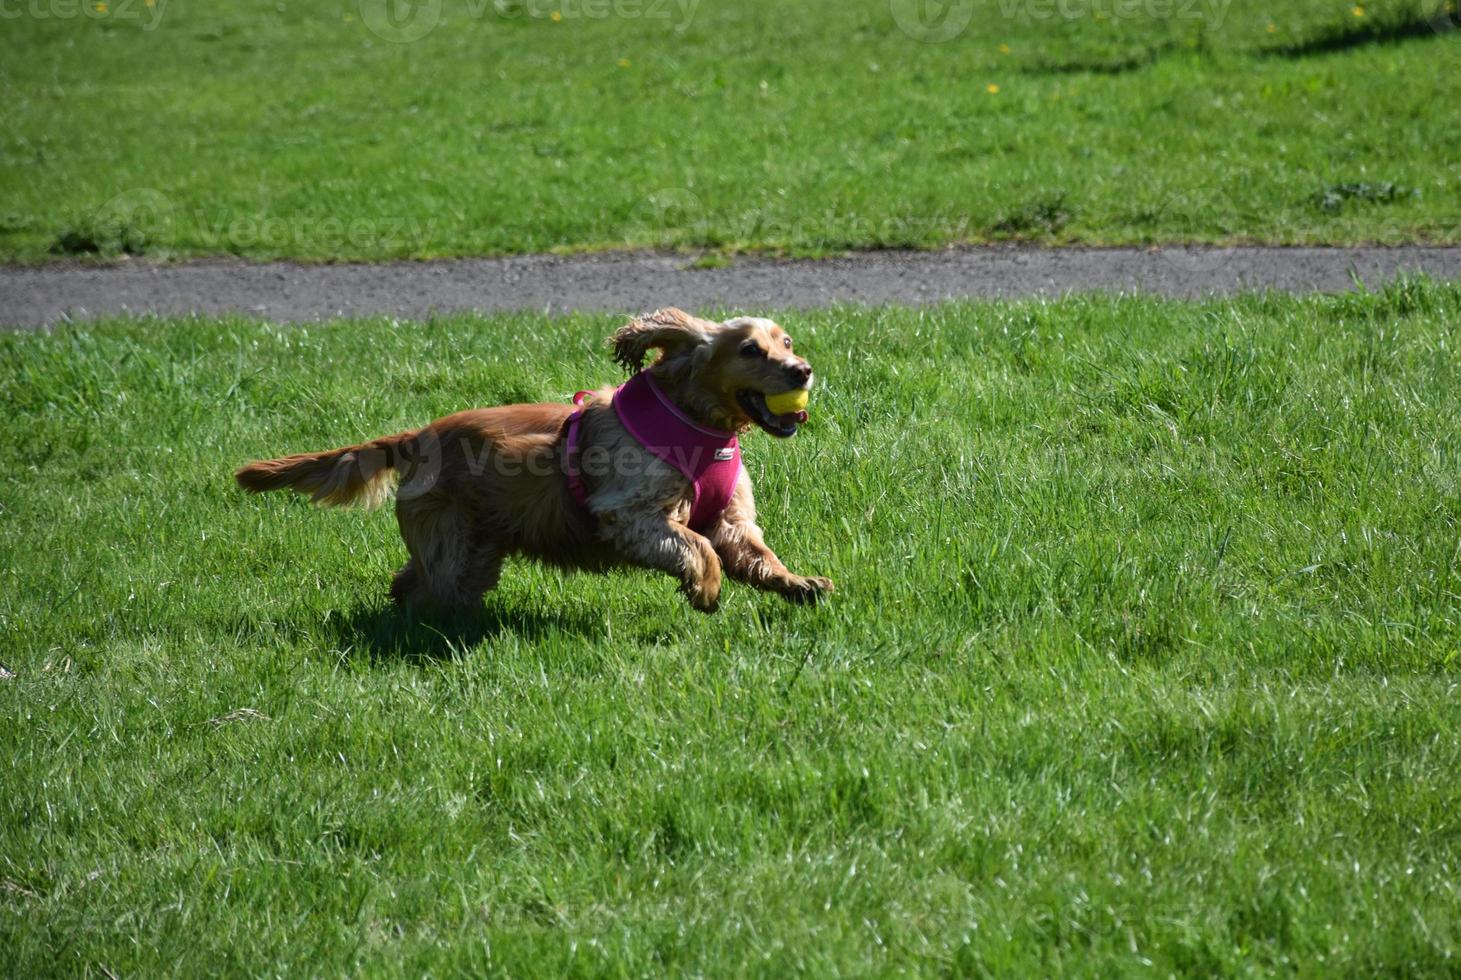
(709, 458)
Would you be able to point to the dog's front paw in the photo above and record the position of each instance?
(707, 600)
(805, 589)
(704, 593)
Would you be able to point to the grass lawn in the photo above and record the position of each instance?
(1144, 657)
(297, 129)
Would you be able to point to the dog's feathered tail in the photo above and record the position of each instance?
(339, 477)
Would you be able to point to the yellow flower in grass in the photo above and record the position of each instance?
(100, 8)
(1358, 11)
(555, 16)
(1004, 49)
(992, 88)
(623, 62)
(1272, 28)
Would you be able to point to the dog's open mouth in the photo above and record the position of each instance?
(781, 426)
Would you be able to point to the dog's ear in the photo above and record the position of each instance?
(669, 330)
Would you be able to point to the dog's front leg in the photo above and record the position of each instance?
(747, 559)
(659, 543)
(737, 539)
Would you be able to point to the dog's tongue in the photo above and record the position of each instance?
(792, 418)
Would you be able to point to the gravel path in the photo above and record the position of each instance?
(630, 282)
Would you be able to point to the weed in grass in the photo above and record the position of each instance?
(1043, 217)
(710, 260)
(93, 238)
(1334, 197)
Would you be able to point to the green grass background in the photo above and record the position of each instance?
(1144, 659)
(290, 129)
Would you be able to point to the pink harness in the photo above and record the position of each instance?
(709, 458)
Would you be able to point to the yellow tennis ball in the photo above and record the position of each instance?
(788, 401)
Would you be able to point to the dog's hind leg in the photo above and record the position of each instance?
(406, 586)
(480, 573)
(450, 564)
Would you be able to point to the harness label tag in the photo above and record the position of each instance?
(724, 454)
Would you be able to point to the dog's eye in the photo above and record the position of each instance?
(752, 349)
(786, 342)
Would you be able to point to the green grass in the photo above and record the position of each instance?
(292, 130)
(1144, 659)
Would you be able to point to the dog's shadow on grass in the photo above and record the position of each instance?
(389, 632)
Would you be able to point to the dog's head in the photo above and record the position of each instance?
(719, 373)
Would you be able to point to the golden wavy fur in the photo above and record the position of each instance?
(487, 484)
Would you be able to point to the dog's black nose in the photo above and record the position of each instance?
(801, 372)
